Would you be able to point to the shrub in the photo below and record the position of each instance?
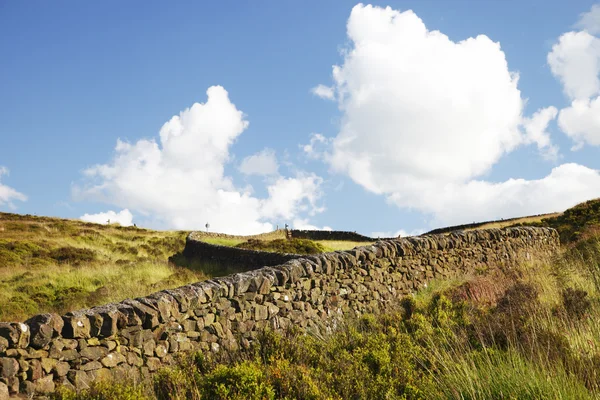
(72, 255)
(576, 302)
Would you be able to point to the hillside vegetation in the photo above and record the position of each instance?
(577, 223)
(529, 333)
(57, 265)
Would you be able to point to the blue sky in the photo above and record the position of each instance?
(416, 129)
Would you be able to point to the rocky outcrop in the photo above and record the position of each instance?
(138, 336)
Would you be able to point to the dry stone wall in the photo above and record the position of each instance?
(138, 336)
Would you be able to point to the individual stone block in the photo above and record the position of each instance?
(8, 367)
(113, 359)
(17, 334)
(43, 328)
(77, 325)
(149, 316)
(94, 352)
(4, 395)
(79, 379)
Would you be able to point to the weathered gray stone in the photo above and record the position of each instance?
(48, 364)
(77, 325)
(147, 315)
(17, 334)
(61, 368)
(43, 328)
(260, 312)
(8, 367)
(35, 371)
(4, 395)
(79, 379)
(153, 363)
(94, 353)
(45, 385)
(113, 359)
(92, 365)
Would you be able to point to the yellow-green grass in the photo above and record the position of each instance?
(223, 241)
(58, 265)
(232, 241)
(334, 245)
(513, 222)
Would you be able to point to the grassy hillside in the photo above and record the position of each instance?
(576, 223)
(56, 265)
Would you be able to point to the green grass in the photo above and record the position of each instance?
(294, 246)
(335, 245)
(327, 245)
(223, 241)
(55, 265)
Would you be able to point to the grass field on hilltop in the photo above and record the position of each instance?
(57, 265)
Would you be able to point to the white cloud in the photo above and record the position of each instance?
(424, 118)
(581, 122)
(290, 196)
(8, 194)
(123, 217)
(536, 131)
(565, 186)
(590, 21)
(263, 163)
(316, 148)
(418, 106)
(304, 224)
(324, 92)
(575, 61)
(179, 182)
(398, 233)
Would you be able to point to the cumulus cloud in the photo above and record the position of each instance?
(575, 62)
(304, 224)
(398, 233)
(8, 194)
(123, 217)
(179, 181)
(424, 118)
(415, 102)
(590, 21)
(263, 163)
(478, 200)
(317, 146)
(536, 131)
(581, 122)
(324, 92)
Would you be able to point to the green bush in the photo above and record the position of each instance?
(72, 255)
